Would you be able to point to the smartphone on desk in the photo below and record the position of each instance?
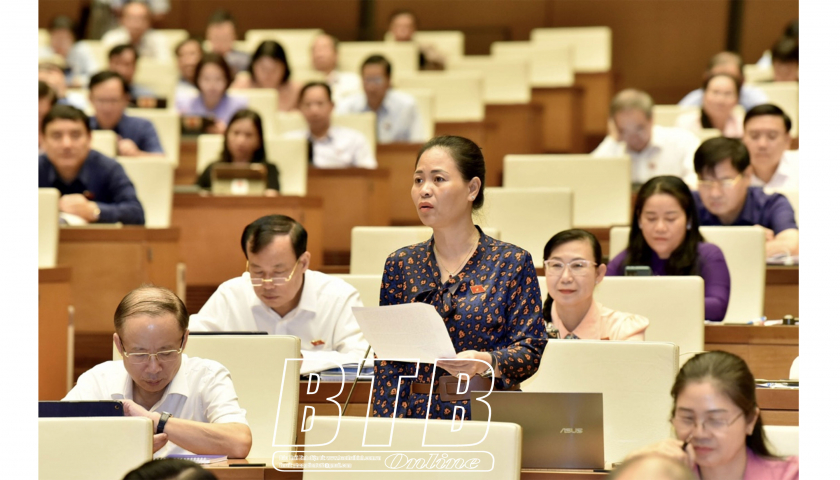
(637, 271)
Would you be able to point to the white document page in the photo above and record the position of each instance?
(411, 331)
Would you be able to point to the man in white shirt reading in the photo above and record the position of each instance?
(653, 149)
(397, 116)
(767, 137)
(191, 401)
(330, 146)
(278, 294)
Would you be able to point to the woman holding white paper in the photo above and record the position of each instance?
(485, 290)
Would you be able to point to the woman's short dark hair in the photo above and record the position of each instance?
(271, 49)
(564, 237)
(245, 113)
(45, 91)
(732, 377)
(684, 259)
(153, 301)
(213, 59)
(65, 112)
(167, 469)
(705, 121)
(720, 149)
(263, 230)
(467, 156)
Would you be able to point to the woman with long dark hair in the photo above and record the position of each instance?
(572, 260)
(244, 145)
(665, 236)
(717, 423)
(270, 68)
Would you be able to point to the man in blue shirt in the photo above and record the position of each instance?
(725, 197)
(109, 96)
(92, 186)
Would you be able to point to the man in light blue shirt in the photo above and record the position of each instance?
(732, 64)
(397, 116)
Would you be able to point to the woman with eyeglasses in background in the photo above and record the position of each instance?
(665, 236)
(572, 260)
(717, 423)
(486, 291)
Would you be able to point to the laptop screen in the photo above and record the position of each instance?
(104, 408)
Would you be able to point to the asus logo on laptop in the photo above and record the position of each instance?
(571, 430)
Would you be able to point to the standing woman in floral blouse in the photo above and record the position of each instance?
(485, 290)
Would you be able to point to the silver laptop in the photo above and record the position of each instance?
(559, 430)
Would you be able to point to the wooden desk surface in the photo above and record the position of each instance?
(223, 471)
(769, 351)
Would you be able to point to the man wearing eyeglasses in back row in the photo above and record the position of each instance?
(278, 294)
(725, 197)
(191, 401)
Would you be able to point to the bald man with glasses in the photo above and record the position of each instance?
(191, 401)
(279, 294)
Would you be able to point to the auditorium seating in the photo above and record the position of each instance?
(592, 46)
(505, 81)
(458, 94)
(153, 181)
(167, 124)
(47, 227)
(104, 142)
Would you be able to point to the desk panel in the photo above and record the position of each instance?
(399, 159)
(211, 229)
(54, 335)
(351, 197)
(475, 131)
(781, 293)
(769, 351)
(562, 118)
(598, 91)
(512, 129)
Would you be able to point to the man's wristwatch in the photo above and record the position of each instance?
(489, 372)
(162, 422)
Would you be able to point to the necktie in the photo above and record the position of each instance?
(571, 336)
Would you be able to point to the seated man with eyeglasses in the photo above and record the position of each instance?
(191, 401)
(278, 294)
(725, 197)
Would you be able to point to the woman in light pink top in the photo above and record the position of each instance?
(573, 267)
(269, 68)
(718, 425)
(720, 97)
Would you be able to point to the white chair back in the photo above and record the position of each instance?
(98, 51)
(757, 73)
(666, 115)
(601, 186)
(92, 448)
(425, 98)
(257, 365)
(411, 436)
(784, 440)
(527, 217)
(367, 285)
(404, 56)
(47, 227)
(675, 307)
(262, 101)
(592, 45)
(209, 148)
(634, 377)
(153, 180)
(743, 249)
(174, 36)
(794, 369)
(706, 133)
(43, 37)
(370, 246)
(784, 95)
(159, 76)
(167, 124)
(296, 42)
(459, 95)
(104, 142)
(549, 65)
(506, 81)
(364, 122)
(448, 42)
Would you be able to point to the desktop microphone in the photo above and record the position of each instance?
(355, 381)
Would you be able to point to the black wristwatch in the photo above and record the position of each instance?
(162, 422)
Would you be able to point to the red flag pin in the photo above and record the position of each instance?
(317, 343)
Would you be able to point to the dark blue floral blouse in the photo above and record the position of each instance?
(492, 305)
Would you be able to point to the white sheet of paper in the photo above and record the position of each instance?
(411, 331)
(320, 361)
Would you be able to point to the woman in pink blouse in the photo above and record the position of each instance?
(270, 69)
(718, 425)
(720, 97)
(573, 267)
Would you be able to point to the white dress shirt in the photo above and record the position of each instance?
(343, 84)
(201, 391)
(323, 320)
(670, 151)
(153, 44)
(397, 119)
(786, 175)
(341, 147)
